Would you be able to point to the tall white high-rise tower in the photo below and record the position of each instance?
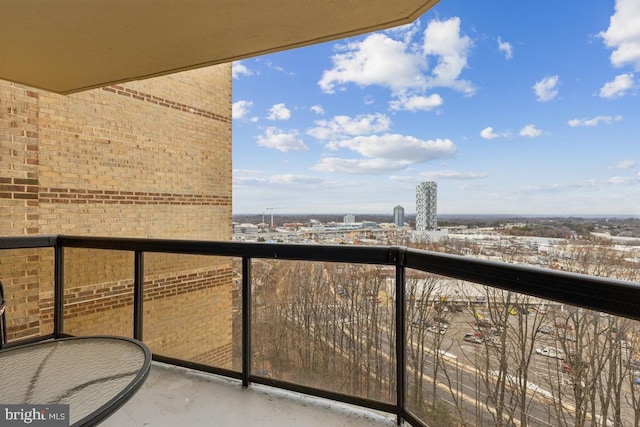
(427, 206)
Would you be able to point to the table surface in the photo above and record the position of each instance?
(93, 375)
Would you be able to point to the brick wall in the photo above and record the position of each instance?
(18, 160)
(142, 159)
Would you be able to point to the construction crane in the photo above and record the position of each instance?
(271, 209)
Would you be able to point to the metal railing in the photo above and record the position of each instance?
(595, 293)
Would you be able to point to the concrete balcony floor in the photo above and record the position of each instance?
(174, 396)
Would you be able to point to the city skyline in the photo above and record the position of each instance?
(509, 119)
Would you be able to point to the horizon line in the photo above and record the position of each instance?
(458, 214)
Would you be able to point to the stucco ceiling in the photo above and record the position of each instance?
(67, 46)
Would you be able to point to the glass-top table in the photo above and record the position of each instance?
(93, 375)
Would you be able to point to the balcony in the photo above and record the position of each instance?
(345, 333)
(174, 396)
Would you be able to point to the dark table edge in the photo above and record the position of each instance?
(124, 395)
(111, 406)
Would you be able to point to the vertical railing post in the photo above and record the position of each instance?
(246, 320)
(138, 294)
(58, 290)
(400, 334)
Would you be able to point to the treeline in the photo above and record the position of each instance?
(331, 326)
(541, 230)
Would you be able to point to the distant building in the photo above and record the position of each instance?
(427, 206)
(398, 216)
(349, 219)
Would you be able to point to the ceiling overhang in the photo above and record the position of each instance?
(67, 46)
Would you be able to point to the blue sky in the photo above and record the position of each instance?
(511, 107)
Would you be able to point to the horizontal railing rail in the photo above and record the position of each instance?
(612, 296)
(26, 242)
(331, 253)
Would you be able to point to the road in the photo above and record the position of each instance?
(467, 375)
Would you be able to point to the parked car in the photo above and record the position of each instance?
(442, 320)
(542, 309)
(472, 338)
(484, 324)
(551, 352)
(421, 323)
(546, 329)
(516, 310)
(497, 331)
(437, 329)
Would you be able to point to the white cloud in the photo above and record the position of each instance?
(622, 180)
(489, 133)
(546, 89)
(384, 153)
(399, 147)
(626, 164)
(443, 175)
(416, 103)
(454, 175)
(240, 109)
(618, 87)
(295, 179)
(530, 131)
(279, 112)
(443, 39)
(376, 60)
(406, 32)
(345, 126)
(271, 66)
(594, 121)
(317, 109)
(395, 63)
(238, 69)
(623, 34)
(281, 141)
(359, 166)
(506, 48)
(556, 187)
(284, 180)
(586, 185)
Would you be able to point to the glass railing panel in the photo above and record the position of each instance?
(485, 356)
(27, 279)
(189, 307)
(98, 292)
(325, 325)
